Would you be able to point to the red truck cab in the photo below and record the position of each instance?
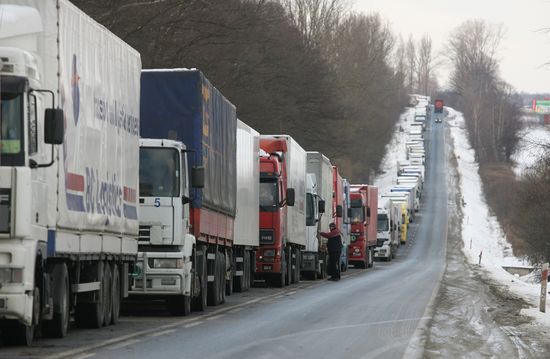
(274, 198)
(438, 106)
(363, 208)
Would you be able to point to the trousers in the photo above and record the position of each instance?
(333, 267)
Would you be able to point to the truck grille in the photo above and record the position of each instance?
(267, 236)
(144, 234)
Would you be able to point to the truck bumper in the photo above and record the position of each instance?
(268, 267)
(382, 252)
(16, 299)
(151, 281)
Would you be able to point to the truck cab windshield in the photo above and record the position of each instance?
(382, 223)
(159, 172)
(269, 199)
(11, 121)
(357, 215)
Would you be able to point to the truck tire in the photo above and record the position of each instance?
(179, 305)
(223, 276)
(278, 279)
(296, 269)
(231, 270)
(58, 326)
(200, 302)
(107, 282)
(115, 297)
(24, 334)
(217, 287)
(371, 258)
(288, 274)
(247, 271)
(91, 315)
(239, 282)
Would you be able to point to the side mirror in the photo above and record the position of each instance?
(349, 212)
(54, 126)
(368, 212)
(321, 206)
(339, 211)
(197, 177)
(290, 197)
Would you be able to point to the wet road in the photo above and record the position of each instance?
(369, 314)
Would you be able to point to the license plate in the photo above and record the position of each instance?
(267, 268)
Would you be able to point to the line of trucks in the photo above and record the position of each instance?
(118, 182)
(400, 204)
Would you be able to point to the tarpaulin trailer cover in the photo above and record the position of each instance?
(181, 104)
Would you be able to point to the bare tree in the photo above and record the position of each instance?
(316, 19)
(410, 53)
(425, 65)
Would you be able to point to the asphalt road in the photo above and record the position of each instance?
(377, 313)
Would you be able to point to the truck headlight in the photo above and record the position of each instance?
(11, 275)
(170, 263)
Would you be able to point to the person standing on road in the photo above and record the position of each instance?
(334, 246)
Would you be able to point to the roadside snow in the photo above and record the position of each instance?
(529, 148)
(396, 150)
(481, 232)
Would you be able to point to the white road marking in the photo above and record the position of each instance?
(123, 344)
(158, 334)
(215, 317)
(236, 310)
(193, 324)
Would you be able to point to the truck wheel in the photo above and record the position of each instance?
(231, 270)
(58, 326)
(288, 275)
(215, 288)
(247, 271)
(222, 276)
(279, 280)
(296, 270)
(179, 305)
(115, 298)
(107, 282)
(91, 315)
(24, 334)
(200, 302)
(239, 282)
(371, 258)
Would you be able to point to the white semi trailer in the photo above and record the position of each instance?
(69, 142)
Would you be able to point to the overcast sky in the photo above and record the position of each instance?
(523, 52)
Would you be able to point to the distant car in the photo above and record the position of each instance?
(438, 119)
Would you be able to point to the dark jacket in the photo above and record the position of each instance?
(334, 242)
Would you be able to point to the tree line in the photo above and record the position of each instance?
(333, 79)
(492, 111)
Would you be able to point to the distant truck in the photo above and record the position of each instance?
(247, 219)
(68, 206)
(438, 106)
(363, 212)
(197, 226)
(319, 193)
(389, 228)
(282, 210)
(346, 228)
